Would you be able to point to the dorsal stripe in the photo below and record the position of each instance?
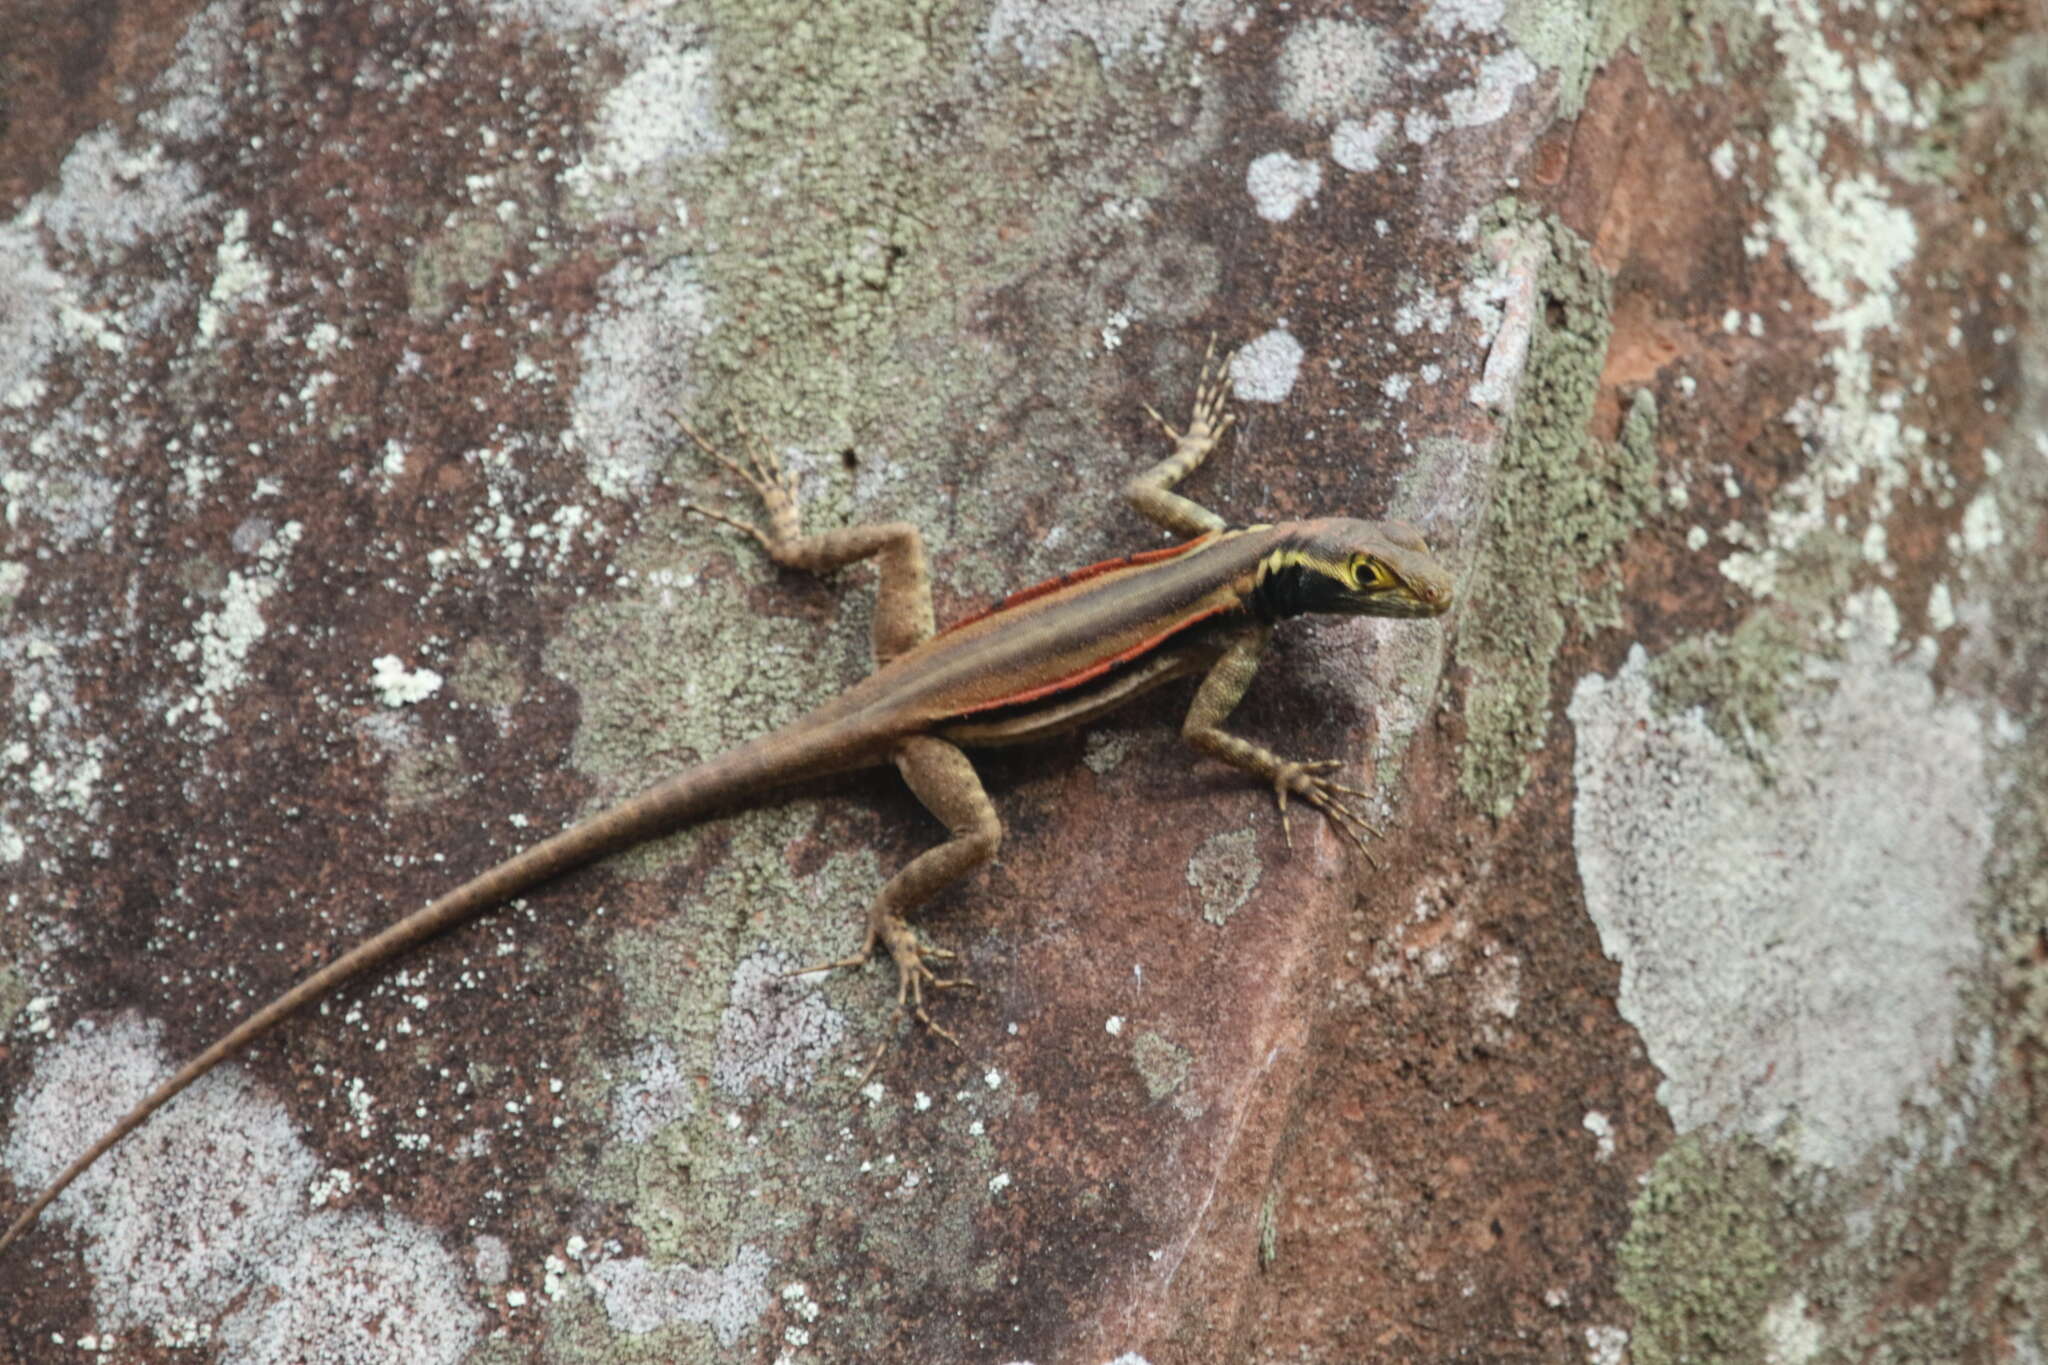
(1066, 580)
(1096, 670)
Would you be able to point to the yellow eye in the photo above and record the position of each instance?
(1368, 573)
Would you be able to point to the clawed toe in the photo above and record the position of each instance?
(737, 524)
(1333, 799)
(1164, 425)
(1212, 392)
(762, 473)
(914, 979)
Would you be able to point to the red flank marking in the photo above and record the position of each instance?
(1052, 585)
(1094, 670)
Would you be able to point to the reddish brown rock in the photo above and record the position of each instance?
(1691, 1011)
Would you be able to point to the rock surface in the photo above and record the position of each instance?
(1692, 1012)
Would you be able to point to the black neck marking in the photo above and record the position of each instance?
(1292, 582)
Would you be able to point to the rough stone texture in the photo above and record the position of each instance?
(1694, 1009)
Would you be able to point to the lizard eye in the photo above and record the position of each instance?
(1368, 574)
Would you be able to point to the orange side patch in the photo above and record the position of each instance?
(1094, 670)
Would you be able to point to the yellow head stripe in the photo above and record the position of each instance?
(1287, 559)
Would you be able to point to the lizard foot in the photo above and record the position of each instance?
(1212, 416)
(1333, 799)
(914, 977)
(772, 484)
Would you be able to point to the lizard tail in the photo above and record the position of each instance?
(800, 752)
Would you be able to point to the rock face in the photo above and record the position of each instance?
(1693, 1010)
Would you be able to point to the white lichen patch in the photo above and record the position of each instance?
(56, 766)
(1264, 369)
(1329, 69)
(33, 298)
(1982, 529)
(492, 1260)
(1790, 949)
(1040, 33)
(1789, 1335)
(1491, 96)
(1356, 146)
(1497, 985)
(1606, 1345)
(239, 276)
(774, 1031)
(396, 685)
(658, 1091)
(1602, 1129)
(110, 196)
(640, 1297)
(200, 1218)
(665, 109)
(190, 89)
(224, 635)
(1280, 184)
(635, 366)
(1941, 608)
(1445, 18)
(364, 1289)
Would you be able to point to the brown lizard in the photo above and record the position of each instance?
(1041, 661)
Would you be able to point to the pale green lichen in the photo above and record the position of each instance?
(578, 1330)
(1737, 679)
(423, 774)
(841, 289)
(1224, 872)
(1564, 503)
(486, 674)
(15, 993)
(1678, 46)
(1162, 1064)
(1702, 1259)
(464, 255)
(684, 667)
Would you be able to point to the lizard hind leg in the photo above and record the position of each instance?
(943, 779)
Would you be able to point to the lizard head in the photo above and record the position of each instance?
(1352, 568)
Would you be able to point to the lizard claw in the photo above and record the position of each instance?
(1335, 800)
(772, 484)
(1164, 425)
(913, 978)
(1212, 416)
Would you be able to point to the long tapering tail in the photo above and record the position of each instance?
(805, 750)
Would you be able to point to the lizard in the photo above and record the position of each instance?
(1039, 662)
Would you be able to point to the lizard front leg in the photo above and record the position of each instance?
(1150, 493)
(1221, 690)
(941, 777)
(903, 600)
